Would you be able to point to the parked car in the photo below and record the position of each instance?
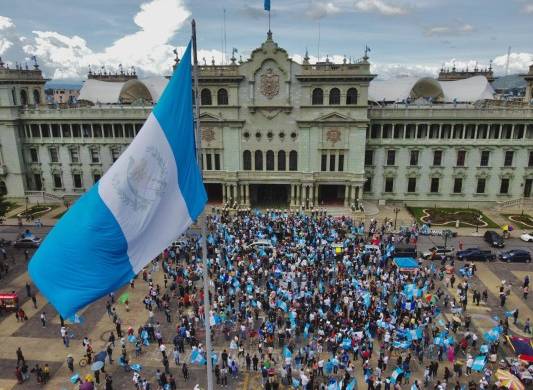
(528, 237)
(27, 242)
(438, 252)
(476, 255)
(405, 251)
(466, 251)
(494, 239)
(516, 256)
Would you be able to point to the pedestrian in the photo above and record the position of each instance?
(20, 356)
(43, 319)
(515, 316)
(108, 382)
(70, 362)
(28, 290)
(111, 339)
(109, 351)
(527, 326)
(185, 371)
(34, 300)
(525, 292)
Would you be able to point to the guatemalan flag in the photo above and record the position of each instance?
(150, 195)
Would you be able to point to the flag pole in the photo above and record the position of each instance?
(203, 218)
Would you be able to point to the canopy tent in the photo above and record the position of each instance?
(522, 346)
(407, 264)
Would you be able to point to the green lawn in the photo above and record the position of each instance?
(448, 216)
(37, 210)
(522, 221)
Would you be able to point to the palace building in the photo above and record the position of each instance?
(277, 132)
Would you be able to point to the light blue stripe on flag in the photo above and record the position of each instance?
(150, 196)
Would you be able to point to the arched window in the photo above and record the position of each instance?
(281, 161)
(247, 160)
(293, 160)
(14, 96)
(36, 96)
(270, 160)
(318, 96)
(23, 97)
(3, 188)
(334, 96)
(351, 96)
(205, 97)
(258, 160)
(222, 97)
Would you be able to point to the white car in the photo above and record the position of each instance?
(528, 237)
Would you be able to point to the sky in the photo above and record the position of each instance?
(406, 37)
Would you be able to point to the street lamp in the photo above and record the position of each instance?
(446, 233)
(396, 211)
(477, 222)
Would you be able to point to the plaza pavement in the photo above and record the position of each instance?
(44, 345)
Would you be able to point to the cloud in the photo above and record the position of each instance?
(528, 8)
(381, 7)
(148, 48)
(5, 23)
(458, 29)
(4, 45)
(319, 10)
(254, 12)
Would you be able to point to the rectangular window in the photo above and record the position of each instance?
(457, 185)
(389, 184)
(76, 131)
(65, 129)
(484, 162)
(54, 156)
(341, 162)
(508, 162)
(368, 185)
(96, 177)
(480, 188)
(411, 184)
(56, 133)
(391, 157)
(331, 162)
(77, 180)
(97, 130)
(369, 157)
(208, 162)
(115, 154)
(95, 156)
(58, 183)
(530, 159)
(34, 155)
(118, 130)
(87, 130)
(461, 156)
(129, 130)
(74, 156)
(323, 163)
(35, 133)
(217, 161)
(504, 186)
(437, 158)
(108, 130)
(413, 160)
(434, 188)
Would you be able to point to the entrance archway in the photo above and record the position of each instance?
(269, 195)
(331, 194)
(214, 192)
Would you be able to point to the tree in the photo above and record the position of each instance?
(4, 205)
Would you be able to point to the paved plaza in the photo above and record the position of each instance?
(43, 345)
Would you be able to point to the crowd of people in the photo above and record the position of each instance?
(308, 302)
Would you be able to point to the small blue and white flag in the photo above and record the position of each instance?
(150, 196)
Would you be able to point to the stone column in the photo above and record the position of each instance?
(346, 195)
(247, 194)
(292, 199)
(358, 193)
(223, 193)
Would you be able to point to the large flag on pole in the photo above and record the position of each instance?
(150, 195)
(267, 5)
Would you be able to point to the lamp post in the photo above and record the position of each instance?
(396, 211)
(447, 233)
(477, 222)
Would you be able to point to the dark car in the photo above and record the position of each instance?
(494, 239)
(476, 255)
(405, 251)
(466, 251)
(516, 256)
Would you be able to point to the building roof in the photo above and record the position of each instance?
(397, 90)
(116, 92)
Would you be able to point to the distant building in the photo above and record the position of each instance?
(62, 94)
(278, 132)
(454, 74)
